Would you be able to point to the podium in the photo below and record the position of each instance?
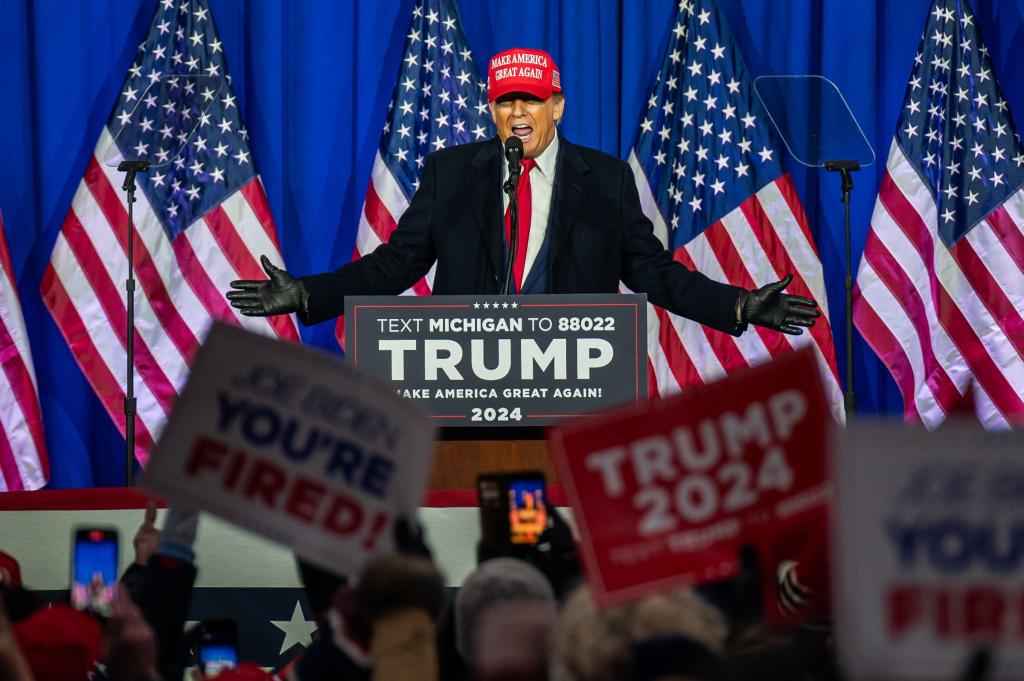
(458, 462)
(494, 371)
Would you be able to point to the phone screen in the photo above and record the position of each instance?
(216, 657)
(218, 646)
(94, 565)
(527, 512)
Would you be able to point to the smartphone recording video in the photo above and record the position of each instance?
(94, 557)
(527, 510)
(218, 646)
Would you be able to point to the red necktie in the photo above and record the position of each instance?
(524, 196)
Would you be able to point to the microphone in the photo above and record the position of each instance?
(514, 155)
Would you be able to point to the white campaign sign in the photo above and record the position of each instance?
(295, 445)
(929, 550)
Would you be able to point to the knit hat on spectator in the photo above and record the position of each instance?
(10, 571)
(796, 572)
(60, 643)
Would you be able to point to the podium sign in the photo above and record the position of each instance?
(503, 360)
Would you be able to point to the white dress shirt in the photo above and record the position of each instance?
(542, 185)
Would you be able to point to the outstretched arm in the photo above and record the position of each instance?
(649, 268)
(390, 269)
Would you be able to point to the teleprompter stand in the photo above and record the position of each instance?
(820, 131)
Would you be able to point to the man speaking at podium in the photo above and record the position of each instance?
(582, 229)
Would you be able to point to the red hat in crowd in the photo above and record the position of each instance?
(244, 672)
(59, 643)
(797, 572)
(10, 571)
(522, 70)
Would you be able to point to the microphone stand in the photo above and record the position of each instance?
(130, 168)
(844, 168)
(513, 221)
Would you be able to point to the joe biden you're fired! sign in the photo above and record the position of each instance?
(295, 445)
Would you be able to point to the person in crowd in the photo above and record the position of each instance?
(381, 625)
(381, 629)
(59, 643)
(13, 665)
(10, 571)
(505, 612)
(582, 229)
(165, 592)
(676, 634)
(130, 646)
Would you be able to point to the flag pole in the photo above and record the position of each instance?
(130, 168)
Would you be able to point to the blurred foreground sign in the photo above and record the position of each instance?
(665, 493)
(929, 550)
(293, 444)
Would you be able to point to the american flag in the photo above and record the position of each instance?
(201, 219)
(940, 290)
(711, 181)
(23, 461)
(439, 101)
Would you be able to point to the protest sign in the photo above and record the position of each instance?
(666, 493)
(929, 550)
(295, 445)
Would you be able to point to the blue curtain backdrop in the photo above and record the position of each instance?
(313, 80)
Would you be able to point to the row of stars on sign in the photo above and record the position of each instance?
(487, 306)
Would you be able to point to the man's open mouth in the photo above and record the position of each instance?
(522, 131)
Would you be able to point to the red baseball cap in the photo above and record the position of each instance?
(59, 643)
(522, 70)
(244, 672)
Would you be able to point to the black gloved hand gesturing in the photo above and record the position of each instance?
(768, 306)
(281, 294)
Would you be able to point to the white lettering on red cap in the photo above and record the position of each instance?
(518, 72)
(519, 58)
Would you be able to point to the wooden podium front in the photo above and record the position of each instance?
(458, 461)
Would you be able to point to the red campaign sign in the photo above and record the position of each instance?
(665, 493)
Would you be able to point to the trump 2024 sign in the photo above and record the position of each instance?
(667, 492)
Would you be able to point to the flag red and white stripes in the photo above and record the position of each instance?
(759, 242)
(200, 222)
(944, 319)
(180, 288)
(384, 204)
(940, 289)
(23, 461)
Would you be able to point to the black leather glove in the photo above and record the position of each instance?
(768, 306)
(281, 294)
